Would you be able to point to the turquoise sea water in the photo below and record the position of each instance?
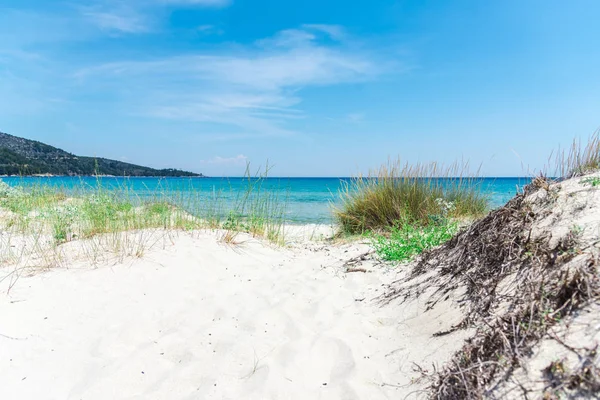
(308, 200)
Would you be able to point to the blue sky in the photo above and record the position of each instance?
(317, 88)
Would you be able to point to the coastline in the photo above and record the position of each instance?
(307, 200)
(163, 304)
(101, 176)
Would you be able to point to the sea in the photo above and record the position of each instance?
(307, 200)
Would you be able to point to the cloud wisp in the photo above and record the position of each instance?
(336, 32)
(256, 89)
(231, 90)
(124, 21)
(203, 3)
(238, 160)
(136, 16)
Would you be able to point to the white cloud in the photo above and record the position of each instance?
(121, 21)
(254, 90)
(204, 3)
(304, 36)
(209, 30)
(135, 16)
(217, 160)
(288, 38)
(265, 71)
(335, 31)
(228, 93)
(355, 117)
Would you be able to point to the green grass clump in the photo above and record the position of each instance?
(255, 210)
(402, 192)
(406, 240)
(48, 216)
(592, 181)
(102, 213)
(20, 201)
(259, 211)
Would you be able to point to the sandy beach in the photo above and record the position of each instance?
(505, 308)
(299, 200)
(196, 318)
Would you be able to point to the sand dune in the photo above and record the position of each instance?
(198, 319)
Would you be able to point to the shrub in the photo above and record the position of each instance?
(402, 192)
(407, 240)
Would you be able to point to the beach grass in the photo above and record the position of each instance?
(406, 209)
(37, 220)
(418, 194)
(257, 210)
(581, 158)
(405, 239)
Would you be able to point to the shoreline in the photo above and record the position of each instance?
(221, 313)
(528, 178)
(100, 176)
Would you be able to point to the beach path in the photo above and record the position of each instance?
(195, 318)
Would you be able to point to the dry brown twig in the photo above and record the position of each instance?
(544, 288)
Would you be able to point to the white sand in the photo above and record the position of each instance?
(197, 319)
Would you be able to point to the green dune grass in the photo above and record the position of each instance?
(406, 209)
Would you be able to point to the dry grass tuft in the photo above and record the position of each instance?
(545, 284)
(38, 223)
(541, 182)
(580, 159)
(403, 192)
(229, 237)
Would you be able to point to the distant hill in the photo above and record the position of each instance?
(19, 156)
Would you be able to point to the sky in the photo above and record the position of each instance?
(313, 88)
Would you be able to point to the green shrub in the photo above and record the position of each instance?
(592, 181)
(406, 240)
(415, 193)
(161, 208)
(86, 211)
